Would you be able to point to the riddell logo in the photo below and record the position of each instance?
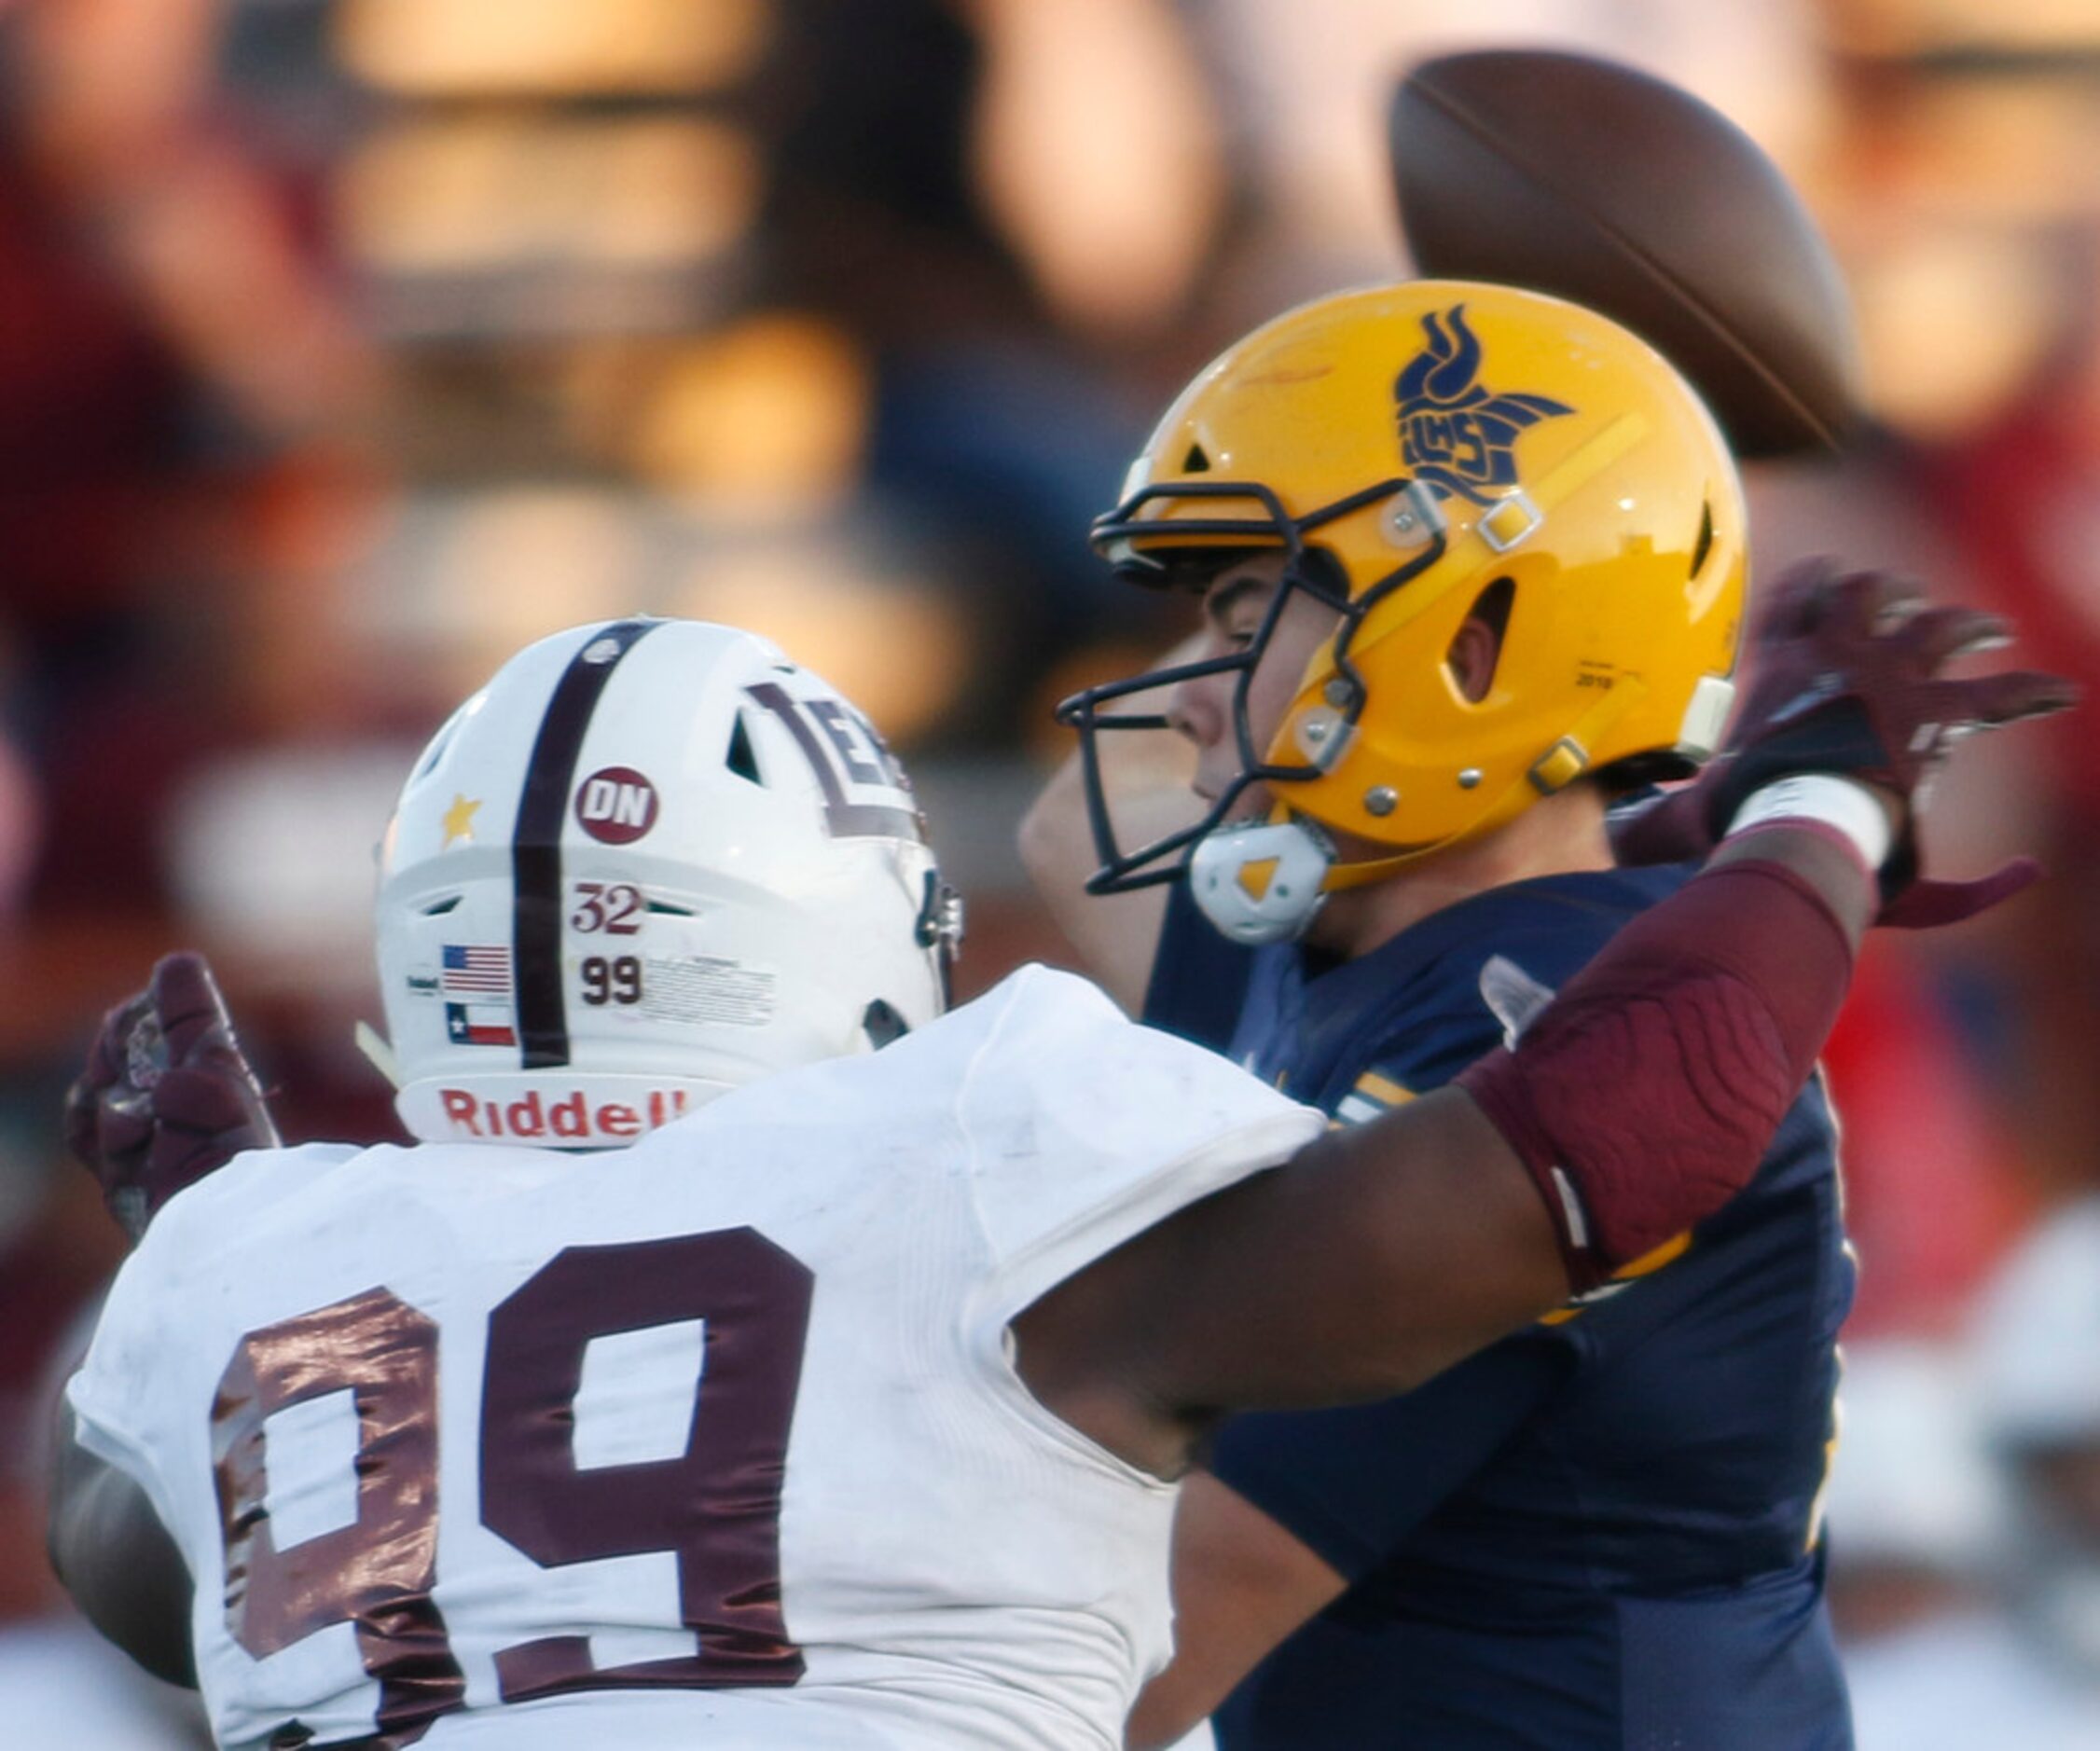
(566, 1119)
(617, 804)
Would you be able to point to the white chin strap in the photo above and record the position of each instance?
(1259, 881)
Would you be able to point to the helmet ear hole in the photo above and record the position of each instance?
(740, 758)
(1476, 651)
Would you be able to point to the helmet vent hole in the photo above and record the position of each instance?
(436, 753)
(1195, 461)
(664, 908)
(1704, 545)
(741, 760)
(882, 1023)
(438, 908)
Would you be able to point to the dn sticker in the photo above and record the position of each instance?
(617, 804)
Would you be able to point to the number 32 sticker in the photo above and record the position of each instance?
(614, 908)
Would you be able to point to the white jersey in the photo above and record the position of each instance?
(712, 1442)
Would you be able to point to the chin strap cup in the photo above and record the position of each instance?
(1261, 881)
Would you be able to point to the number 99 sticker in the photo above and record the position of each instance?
(611, 979)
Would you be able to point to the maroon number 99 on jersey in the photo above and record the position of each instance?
(716, 1505)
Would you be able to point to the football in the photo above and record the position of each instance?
(1594, 182)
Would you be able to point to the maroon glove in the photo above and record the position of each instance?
(1846, 680)
(166, 1095)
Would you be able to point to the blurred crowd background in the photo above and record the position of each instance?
(345, 345)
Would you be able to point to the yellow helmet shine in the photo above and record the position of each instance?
(1456, 449)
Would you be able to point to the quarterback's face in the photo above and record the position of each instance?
(1234, 608)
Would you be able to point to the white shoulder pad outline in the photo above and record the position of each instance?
(1513, 997)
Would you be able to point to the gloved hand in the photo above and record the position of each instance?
(166, 1095)
(1847, 680)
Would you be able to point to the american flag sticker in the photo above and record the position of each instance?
(475, 971)
(478, 1024)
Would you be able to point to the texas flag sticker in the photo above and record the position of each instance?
(478, 1024)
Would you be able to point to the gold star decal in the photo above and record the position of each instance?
(459, 821)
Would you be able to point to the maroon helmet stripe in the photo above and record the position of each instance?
(543, 807)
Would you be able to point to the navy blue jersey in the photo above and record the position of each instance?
(1600, 1534)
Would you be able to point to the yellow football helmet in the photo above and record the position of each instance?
(1423, 452)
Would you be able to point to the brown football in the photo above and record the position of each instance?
(1596, 183)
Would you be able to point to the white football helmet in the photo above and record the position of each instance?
(651, 861)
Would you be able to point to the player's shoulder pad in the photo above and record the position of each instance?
(1514, 997)
(1074, 1116)
(204, 1217)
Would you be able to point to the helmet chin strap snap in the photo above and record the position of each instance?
(1265, 881)
(1262, 881)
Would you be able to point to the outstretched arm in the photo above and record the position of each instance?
(165, 1098)
(1637, 1103)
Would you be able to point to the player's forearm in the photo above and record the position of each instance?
(118, 1561)
(1640, 1100)
(1369, 1262)
(1833, 871)
(1647, 1093)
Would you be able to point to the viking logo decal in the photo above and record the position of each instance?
(1456, 436)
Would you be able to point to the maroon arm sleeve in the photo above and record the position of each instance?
(1645, 1095)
